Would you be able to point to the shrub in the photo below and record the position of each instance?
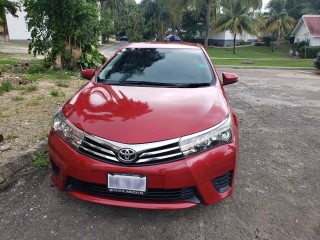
(194, 40)
(91, 59)
(54, 93)
(6, 86)
(37, 68)
(311, 52)
(41, 160)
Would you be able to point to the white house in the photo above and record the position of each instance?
(308, 28)
(17, 27)
(225, 38)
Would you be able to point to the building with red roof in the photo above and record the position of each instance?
(308, 28)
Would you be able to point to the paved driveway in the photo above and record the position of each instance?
(109, 50)
(277, 194)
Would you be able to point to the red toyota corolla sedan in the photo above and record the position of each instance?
(152, 129)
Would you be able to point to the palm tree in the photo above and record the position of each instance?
(278, 23)
(177, 6)
(116, 5)
(237, 18)
(157, 13)
(7, 6)
(311, 7)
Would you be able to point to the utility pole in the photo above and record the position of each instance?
(305, 45)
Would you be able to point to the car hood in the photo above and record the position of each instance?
(132, 115)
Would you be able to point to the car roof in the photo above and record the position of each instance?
(164, 45)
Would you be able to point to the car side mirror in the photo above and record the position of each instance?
(88, 73)
(229, 78)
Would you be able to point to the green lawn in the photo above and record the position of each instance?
(258, 56)
(266, 62)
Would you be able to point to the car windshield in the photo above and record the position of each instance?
(158, 67)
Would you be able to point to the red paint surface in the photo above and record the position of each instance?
(129, 114)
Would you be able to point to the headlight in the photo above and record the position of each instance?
(67, 131)
(210, 138)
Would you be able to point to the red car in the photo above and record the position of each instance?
(152, 129)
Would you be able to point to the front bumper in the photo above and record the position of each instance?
(200, 172)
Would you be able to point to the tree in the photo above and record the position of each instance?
(115, 5)
(180, 5)
(192, 23)
(237, 18)
(297, 8)
(136, 25)
(106, 25)
(208, 22)
(64, 30)
(278, 23)
(11, 7)
(157, 12)
(311, 7)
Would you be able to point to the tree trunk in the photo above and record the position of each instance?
(272, 43)
(234, 43)
(5, 29)
(208, 21)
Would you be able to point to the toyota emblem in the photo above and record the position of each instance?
(127, 155)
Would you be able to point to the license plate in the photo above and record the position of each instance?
(127, 183)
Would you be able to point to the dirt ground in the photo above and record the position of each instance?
(277, 193)
(27, 110)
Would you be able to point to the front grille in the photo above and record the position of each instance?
(149, 153)
(222, 183)
(153, 194)
(97, 150)
(165, 153)
(55, 168)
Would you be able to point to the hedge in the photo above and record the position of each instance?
(310, 53)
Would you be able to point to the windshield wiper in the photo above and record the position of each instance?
(194, 85)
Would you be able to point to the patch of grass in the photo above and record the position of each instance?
(3, 115)
(10, 136)
(33, 77)
(41, 160)
(34, 102)
(31, 88)
(54, 93)
(50, 74)
(38, 67)
(61, 83)
(250, 52)
(17, 98)
(43, 136)
(6, 86)
(258, 55)
(39, 98)
(8, 62)
(20, 88)
(60, 75)
(265, 62)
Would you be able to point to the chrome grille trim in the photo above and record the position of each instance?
(116, 146)
(146, 154)
(99, 154)
(99, 148)
(158, 158)
(107, 150)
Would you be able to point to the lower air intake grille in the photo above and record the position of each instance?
(222, 183)
(153, 194)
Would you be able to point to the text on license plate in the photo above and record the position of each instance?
(123, 183)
